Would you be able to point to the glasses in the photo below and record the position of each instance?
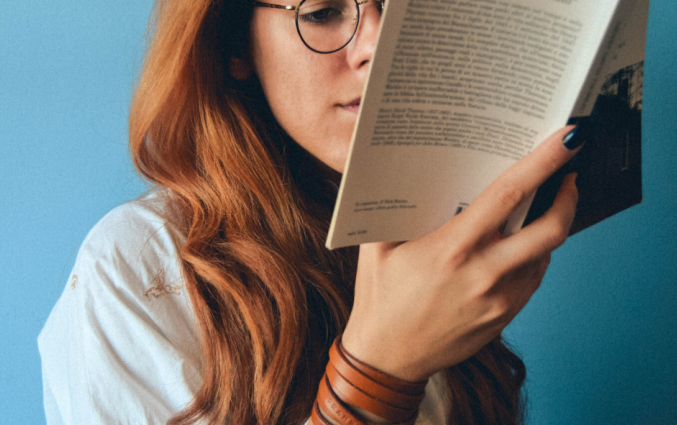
(326, 26)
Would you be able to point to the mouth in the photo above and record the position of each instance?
(352, 106)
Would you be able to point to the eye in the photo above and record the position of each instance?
(322, 13)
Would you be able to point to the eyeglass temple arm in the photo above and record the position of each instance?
(277, 6)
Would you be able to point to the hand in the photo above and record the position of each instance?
(424, 305)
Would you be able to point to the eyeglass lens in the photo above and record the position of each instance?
(326, 26)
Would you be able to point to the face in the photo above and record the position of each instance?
(314, 97)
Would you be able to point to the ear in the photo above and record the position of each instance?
(240, 68)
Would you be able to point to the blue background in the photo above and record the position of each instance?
(599, 337)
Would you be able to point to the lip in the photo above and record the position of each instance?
(353, 106)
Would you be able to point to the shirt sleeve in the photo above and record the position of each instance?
(121, 346)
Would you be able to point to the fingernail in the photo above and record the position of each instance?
(573, 139)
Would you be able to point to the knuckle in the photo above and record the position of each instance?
(510, 195)
(503, 306)
(534, 283)
(500, 311)
(554, 160)
(557, 235)
(570, 192)
(458, 256)
(552, 157)
(484, 284)
(574, 194)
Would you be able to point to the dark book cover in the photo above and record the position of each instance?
(609, 166)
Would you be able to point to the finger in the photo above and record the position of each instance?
(544, 234)
(493, 206)
(525, 289)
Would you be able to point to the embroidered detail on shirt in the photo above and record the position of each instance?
(160, 288)
(74, 281)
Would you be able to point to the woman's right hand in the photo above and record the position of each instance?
(427, 304)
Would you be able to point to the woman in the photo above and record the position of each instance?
(213, 300)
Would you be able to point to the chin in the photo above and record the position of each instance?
(338, 164)
(339, 159)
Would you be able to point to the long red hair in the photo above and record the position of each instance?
(268, 296)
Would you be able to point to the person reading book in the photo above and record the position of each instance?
(212, 299)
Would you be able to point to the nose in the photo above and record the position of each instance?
(361, 49)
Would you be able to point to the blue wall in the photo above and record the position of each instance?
(599, 337)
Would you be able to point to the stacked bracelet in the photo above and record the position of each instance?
(348, 381)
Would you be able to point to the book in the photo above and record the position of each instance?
(460, 90)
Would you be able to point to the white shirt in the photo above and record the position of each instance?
(121, 346)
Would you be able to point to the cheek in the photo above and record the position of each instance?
(306, 112)
(303, 89)
(270, 57)
(310, 115)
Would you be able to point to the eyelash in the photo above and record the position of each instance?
(311, 17)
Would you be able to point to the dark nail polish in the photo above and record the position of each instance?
(573, 139)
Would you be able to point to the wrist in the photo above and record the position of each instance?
(352, 392)
(397, 360)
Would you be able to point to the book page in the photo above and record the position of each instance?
(458, 91)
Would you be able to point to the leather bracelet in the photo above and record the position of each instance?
(334, 407)
(349, 382)
(351, 394)
(374, 388)
(317, 417)
(397, 384)
(328, 403)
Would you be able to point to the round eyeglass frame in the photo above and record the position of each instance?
(296, 19)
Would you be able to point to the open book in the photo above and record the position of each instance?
(460, 90)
